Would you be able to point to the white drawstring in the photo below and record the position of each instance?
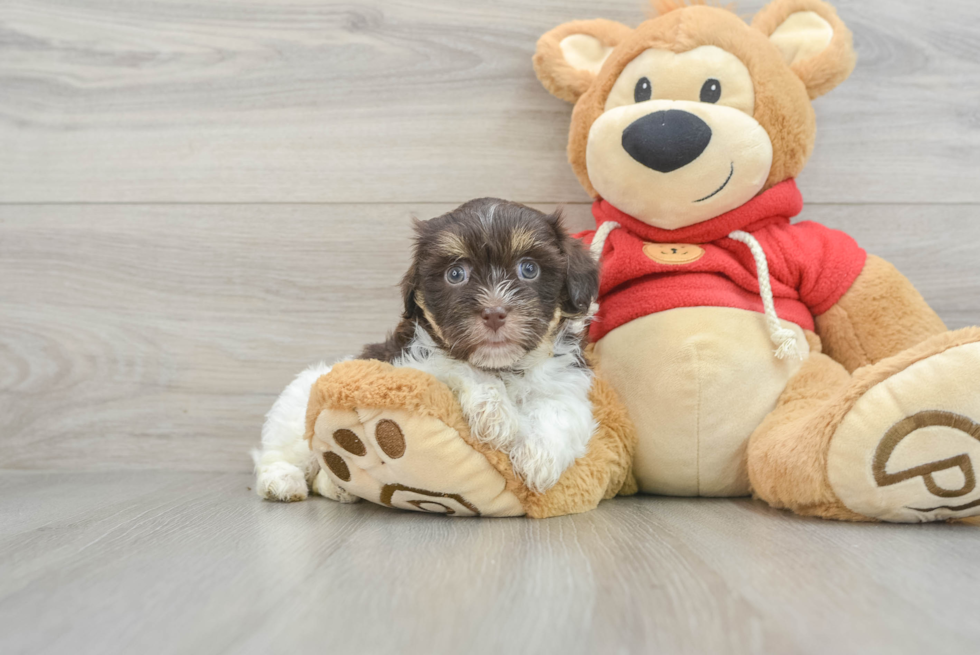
(598, 245)
(599, 240)
(783, 338)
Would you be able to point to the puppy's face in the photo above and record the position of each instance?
(495, 279)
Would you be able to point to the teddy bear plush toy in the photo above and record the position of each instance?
(736, 353)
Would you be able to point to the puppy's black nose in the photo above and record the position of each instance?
(666, 140)
(494, 317)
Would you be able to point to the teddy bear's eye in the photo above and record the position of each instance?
(643, 90)
(711, 91)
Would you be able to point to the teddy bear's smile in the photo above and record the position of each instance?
(731, 174)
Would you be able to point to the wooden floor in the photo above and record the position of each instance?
(198, 199)
(188, 562)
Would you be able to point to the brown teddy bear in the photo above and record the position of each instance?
(752, 355)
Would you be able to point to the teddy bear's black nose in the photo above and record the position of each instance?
(666, 140)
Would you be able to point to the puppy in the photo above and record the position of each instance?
(495, 306)
(496, 302)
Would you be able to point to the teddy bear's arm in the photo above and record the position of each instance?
(881, 315)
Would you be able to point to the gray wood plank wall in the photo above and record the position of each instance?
(198, 199)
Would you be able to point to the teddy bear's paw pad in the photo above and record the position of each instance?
(909, 449)
(410, 461)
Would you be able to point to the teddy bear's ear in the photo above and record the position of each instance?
(813, 40)
(569, 57)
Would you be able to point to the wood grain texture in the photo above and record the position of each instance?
(157, 336)
(194, 563)
(411, 101)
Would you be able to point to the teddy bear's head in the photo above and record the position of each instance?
(694, 113)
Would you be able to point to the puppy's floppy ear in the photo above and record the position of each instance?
(581, 272)
(581, 281)
(569, 57)
(411, 283)
(813, 40)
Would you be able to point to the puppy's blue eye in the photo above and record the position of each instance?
(643, 90)
(456, 275)
(528, 270)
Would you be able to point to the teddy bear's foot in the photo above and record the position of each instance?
(401, 459)
(393, 437)
(908, 449)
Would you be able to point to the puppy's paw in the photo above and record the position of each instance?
(324, 486)
(538, 467)
(492, 418)
(281, 481)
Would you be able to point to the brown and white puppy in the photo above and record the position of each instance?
(496, 302)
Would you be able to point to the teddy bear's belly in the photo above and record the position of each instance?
(697, 382)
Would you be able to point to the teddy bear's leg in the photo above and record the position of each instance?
(897, 441)
(397, 437)
(787, 452)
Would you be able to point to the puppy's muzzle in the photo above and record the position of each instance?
(494, 317)
(666, 140)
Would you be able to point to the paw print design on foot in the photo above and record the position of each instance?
(410, 461)
(909, 448)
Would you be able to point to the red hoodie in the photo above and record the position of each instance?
(647, 270)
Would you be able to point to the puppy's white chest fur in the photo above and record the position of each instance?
(539, 411)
